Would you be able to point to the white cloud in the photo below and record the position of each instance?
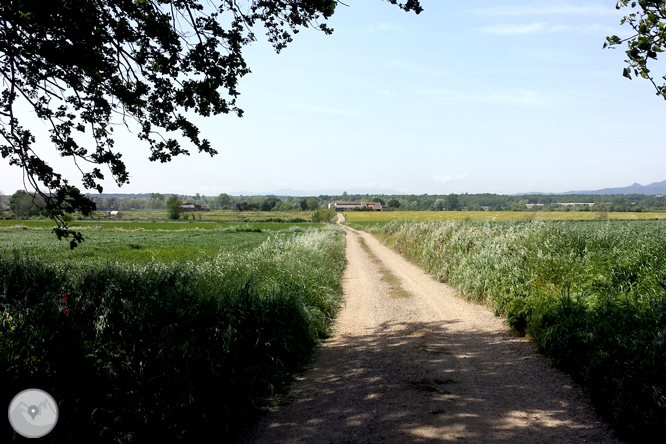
(448, 179)
(586, 10)
(386, 27)
(592, 28)
(371, 185)
(543, 27)
(520, 97)
(514, 29)
(325, 110)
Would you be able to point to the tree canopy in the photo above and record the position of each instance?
(87, 66)
(173, 207)
(648, 20)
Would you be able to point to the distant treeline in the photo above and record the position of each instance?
(22, 204)
(498, 202)
(223, 201)
(409, 202)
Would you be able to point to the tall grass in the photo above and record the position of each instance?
(592, 295)
(381, 217)
(175, 352)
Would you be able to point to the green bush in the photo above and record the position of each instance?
(178, 352)
(323, 215)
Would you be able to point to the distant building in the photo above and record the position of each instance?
(190, 206)
(341, 205)
(114, 215)
(533, 205)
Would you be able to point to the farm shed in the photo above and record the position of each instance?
(114, 215)
(341, 205)
(575, 204)
(190, 206)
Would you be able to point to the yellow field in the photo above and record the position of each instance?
(407, 216)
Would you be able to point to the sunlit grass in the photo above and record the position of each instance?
(140, 242)
(149, 225)
(591, 294)
(499, 216)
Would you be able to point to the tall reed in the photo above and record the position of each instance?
(592, 295)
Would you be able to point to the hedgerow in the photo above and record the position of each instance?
(176, 352)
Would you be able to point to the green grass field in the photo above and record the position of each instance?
(133, 246)
(84, 225)
(139, 242)
(216, 215)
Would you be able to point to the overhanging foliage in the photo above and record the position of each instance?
(87, 66)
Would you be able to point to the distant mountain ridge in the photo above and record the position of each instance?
(636, 188)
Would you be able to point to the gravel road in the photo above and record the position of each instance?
(420, 365)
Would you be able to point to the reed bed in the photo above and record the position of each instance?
(592, 296)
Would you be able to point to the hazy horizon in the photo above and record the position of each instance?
(351, 191)
(463, 98)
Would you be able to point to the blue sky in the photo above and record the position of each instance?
(465, 97)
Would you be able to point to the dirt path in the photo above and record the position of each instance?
(413, 363)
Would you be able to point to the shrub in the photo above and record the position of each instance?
(323, 215)
(177, 352)
(173, 207)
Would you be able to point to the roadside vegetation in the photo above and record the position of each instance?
(177, 345)
(592, 296)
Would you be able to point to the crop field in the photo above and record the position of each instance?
(139, 242)
(361, 219)
(215, 215)
(137, 328)
(591, 294)
(130, 246)
(150, 225)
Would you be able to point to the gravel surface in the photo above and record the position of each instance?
(424, 367)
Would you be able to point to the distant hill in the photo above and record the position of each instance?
(636, 188)
(652, 189)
